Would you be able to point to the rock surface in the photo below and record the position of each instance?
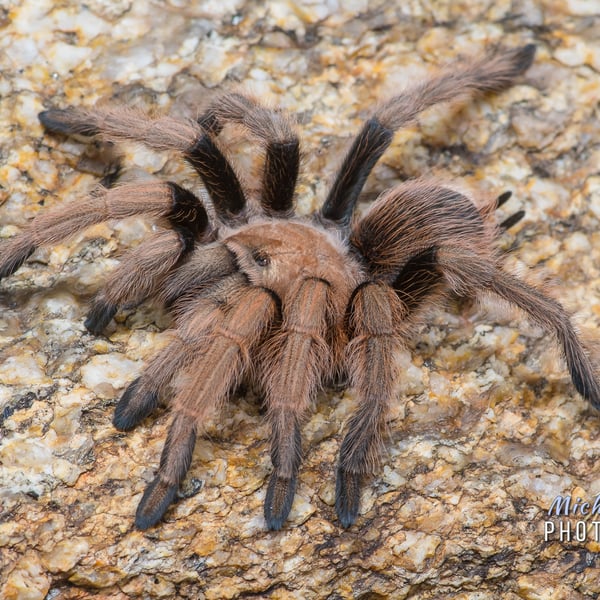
(487, 429)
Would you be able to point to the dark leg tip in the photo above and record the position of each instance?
(278, 501)
(99, 316)
(525, 56)
(585, 383)
(154, 503)
(65, 121)
(347, 497)
(13, 263)
(111, 175)
(512, 220)
(128, 413)
(49, 117)
(503, 198)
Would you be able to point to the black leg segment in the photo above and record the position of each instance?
(99, 316)
(348, 486)
(134, 407)
(512, 220)
(369, 145)
(418, 279)
(218, 176)
(282, 162)
(282, 485)
(17, 258)
(187, 216)
(503, 198)
(65, 121)
(174, 464)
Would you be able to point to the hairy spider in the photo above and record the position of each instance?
(292, 301)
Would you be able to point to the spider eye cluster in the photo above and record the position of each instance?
(261, 259)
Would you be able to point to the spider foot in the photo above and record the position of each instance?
(524, 57)
(132, 409)
(14, 257)
(67, 121)
(154, 503)
(512, 220)
(503, 198)
(347, 496)
(99, 317)
(278, 501)
(585, 382)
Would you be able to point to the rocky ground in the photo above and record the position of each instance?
(487, 429)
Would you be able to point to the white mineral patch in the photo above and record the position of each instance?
(113, 369)
(63, 58)
(23, 51)
(302, 509)
(417, 547)
(65, 554)
(84, 22)
(30, 464)
(28, 580)
(582, 8)
(22, 370)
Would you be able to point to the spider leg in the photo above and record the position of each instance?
(379, 320)
(492, 73)
(295, 364)
(550, 315)
(374, 311)
(162, 133)
(282, 148)
(412, 218)
(419, 281)
(136, 278)
(117, 124)
(189, 341)
(469, 274)
(144, 268)
(512, 220)
(175, 461)
(203, 386)
(503, 198)
(204, 267)
(154, 199)
(154, 268)
(136, 404)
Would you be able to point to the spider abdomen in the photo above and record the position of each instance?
(417, 218)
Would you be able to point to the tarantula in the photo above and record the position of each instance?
(256, 289)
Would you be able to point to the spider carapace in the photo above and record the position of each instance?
(257, 291)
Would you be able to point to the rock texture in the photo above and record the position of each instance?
(487, 429)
